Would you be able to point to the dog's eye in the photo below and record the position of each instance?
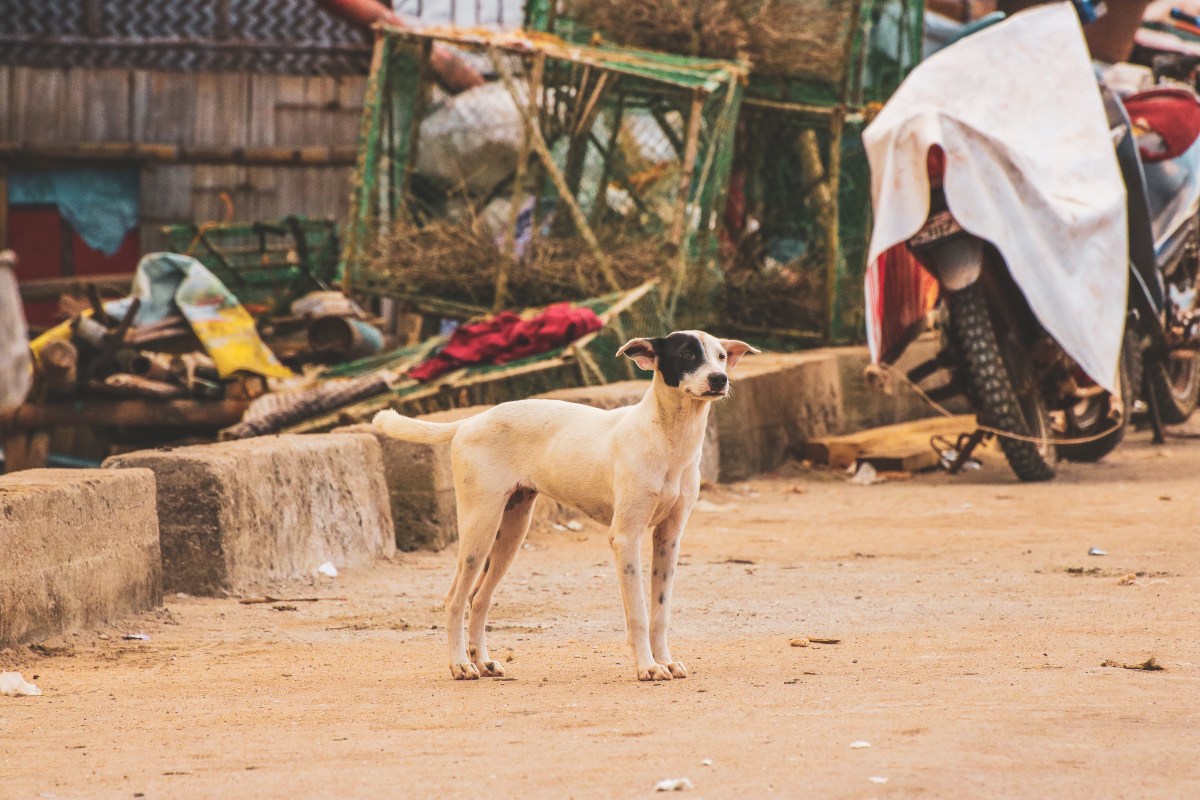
(722, 356)
(689, 356)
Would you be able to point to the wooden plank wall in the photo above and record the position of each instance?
(74, 106)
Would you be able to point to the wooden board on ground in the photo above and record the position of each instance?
(893, 448)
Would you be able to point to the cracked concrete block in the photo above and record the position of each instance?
(236, 515)
(79, 548)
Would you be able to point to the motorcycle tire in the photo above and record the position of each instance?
(1094, 419)
(1175, 384)
(999, 403)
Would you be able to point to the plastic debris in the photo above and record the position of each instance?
(575, 525)
(136, 637)
(879, 779)
(866, 475)
(328, 569)
(708, 762)
(673, 785)
(1096, 551)
(13, 684)
(859, 745)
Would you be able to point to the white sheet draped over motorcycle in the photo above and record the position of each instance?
(1030, 167)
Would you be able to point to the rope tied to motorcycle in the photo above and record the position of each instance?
(1041, 441)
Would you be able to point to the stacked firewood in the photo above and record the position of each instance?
(109, 357)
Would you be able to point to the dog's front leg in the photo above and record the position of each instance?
(667, 536)
(625, 536)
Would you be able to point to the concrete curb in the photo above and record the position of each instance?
(80, 547)
(235, 515)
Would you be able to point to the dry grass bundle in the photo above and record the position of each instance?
(785, 38)
(459, 261)
(790, 296)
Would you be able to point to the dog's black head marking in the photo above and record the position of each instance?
(678, 355)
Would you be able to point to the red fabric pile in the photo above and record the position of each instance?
(507, 337)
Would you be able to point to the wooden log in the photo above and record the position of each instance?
(59, 367)
(900, 447)
(53, 288)
(128, 413)
(158, 153)
(123, 384)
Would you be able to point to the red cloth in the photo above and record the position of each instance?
(1172, 113)
(507, 337)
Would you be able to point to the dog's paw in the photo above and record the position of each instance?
(464, 672)
(490, 669)
(654, 672)
(678, 670)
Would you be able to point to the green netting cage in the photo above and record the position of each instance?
(573, 171)
(797, 218)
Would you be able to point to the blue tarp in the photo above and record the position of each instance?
(101, 204)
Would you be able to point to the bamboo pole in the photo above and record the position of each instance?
(518, 188)
(547, 159)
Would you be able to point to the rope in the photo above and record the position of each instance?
(1038, 440)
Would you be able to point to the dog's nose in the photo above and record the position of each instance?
(718, 381)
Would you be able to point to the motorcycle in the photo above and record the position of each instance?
(1052, 357)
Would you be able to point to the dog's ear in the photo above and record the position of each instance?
(735, 350)
(642, 353)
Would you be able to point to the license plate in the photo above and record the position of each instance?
(938, 226)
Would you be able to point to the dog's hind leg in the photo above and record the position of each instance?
(478, 519)
(513, 527)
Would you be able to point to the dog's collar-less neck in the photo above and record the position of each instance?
(677, 414)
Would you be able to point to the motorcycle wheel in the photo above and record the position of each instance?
(1000, 387)
(1175, 383)
(1091, 416)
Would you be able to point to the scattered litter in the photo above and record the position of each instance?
(859, 745)
(737, 561)
(1096, 551)
(709, 507)
(282, 607)
(251, 601)
(798, 642)
(1128, 580)
(865, 476)
(559, 526)
(328, 569)
(14, 684)
(136, 637)
(1149, 665)
(673, 785)
(575, 525)
(706, 762)
(879, 779)
(815, 640)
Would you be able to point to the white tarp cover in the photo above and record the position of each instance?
(1030, 167)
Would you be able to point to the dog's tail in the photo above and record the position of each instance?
(414, 430)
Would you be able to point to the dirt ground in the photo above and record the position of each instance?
(973, 626)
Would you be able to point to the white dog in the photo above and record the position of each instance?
(630, 468)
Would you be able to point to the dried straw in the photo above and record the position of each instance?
(458, 260)
(782, 38)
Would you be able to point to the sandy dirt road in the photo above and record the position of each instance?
(973, 625)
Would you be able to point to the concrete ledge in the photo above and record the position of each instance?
(627, 393)
(779, 402)
(238, 514)
(79, 547)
